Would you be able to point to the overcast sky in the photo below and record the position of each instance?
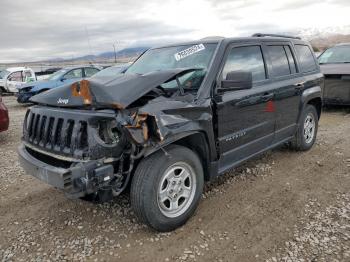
(42, 29)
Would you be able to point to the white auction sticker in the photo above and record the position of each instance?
(189, 51)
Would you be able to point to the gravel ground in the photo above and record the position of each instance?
(283, 206)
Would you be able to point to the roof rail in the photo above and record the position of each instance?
(275, 35)
(212, 38)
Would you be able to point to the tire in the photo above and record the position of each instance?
(176, 174)
(305, 136)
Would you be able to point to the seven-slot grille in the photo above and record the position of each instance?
(55, 133)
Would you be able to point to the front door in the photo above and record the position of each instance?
(14, 80)
(245, 118)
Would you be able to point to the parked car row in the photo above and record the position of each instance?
(62, 77)
(23, 81)
(24, 87)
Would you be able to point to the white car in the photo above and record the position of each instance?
(13, 77)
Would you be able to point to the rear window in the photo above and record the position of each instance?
(306, 59)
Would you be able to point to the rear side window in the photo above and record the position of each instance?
(246, 58)
(279, 60)
(306, 59)
(89, 71)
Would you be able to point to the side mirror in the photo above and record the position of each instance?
(63, 79)
(237, 80)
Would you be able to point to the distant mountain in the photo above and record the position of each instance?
(326, 37)
(126, 52)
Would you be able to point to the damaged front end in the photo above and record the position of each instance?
(83, 143)
(76, 151)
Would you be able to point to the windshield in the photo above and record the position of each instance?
(110, 71)
(337, 54)
(3, 74)
(184, 56)
(57, 75)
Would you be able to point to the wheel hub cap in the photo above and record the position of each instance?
(309, 128)
(176, 189)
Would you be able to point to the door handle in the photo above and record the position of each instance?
(299, 85)
(267, 97)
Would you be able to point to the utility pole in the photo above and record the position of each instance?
(115, 54)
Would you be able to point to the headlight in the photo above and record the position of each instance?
(108, 131)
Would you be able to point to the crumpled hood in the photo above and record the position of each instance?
(335, 69)
(117, 92)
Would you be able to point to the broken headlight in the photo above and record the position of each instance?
(109, 132)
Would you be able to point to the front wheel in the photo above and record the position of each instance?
(307, 130)
(166, 188)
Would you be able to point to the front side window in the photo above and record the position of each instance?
(76, 73)
(248, 59)
(335, 55)
(306, 59)
(15, 77)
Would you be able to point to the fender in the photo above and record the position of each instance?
(307, 96)
(311, 93)
(173, 139)
(202, 148)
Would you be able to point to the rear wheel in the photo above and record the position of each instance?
(166, 188)
(307, 131)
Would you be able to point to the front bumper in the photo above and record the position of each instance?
(24, 97)
(77, 181)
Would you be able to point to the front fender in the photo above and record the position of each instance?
(168, 141)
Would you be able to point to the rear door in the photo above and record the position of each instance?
(245, 125)
(287, 85)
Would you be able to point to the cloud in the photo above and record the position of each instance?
(40, 29)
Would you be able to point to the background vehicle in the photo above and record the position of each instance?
(64, 76)
(13, 77)
(4, 116)
(180, 115)
(335, 65)
(111, 71)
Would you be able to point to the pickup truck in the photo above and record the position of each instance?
(13, 77)
(180, 115)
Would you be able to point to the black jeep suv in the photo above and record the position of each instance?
(180, 115)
